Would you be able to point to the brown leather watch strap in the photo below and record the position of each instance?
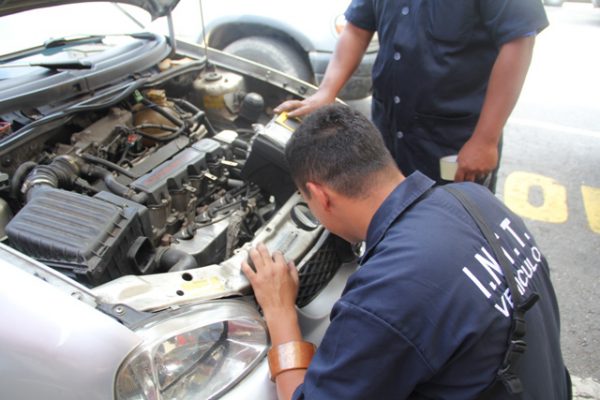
(290, 355)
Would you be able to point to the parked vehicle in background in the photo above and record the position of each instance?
(297, 38)
(136, 171)
(559, 3)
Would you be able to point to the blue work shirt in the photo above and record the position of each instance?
(427, 313)
(432, 70)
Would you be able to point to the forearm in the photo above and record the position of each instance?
(283, 327)
(504, 87)
(275, 283)
(347, 56)
(479, 155)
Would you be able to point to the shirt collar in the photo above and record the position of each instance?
(402, 197)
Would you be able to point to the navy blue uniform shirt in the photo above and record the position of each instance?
(433, 66)
(428, 312)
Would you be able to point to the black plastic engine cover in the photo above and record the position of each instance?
(87, 238)
(268, 168)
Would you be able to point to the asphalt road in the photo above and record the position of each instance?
(550, 172)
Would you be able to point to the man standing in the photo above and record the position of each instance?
(446, 78)
(428, 314)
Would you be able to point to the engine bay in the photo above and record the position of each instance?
(174, 175)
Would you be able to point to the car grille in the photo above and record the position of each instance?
(318, 271)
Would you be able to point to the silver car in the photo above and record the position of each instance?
(136, 171)
(296, 38)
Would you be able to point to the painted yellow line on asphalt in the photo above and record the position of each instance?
(556, 128)
(591, 202)
(518, 186)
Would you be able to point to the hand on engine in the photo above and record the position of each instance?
(298, 108)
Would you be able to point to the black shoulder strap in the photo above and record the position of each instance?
(516, 345)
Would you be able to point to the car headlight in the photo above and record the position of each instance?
(194, 353)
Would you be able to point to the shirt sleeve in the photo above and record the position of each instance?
(508, 20)
(362, 14)
(362, 357)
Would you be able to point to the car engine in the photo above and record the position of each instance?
(174, 175)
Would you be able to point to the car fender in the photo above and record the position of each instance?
(48, 337)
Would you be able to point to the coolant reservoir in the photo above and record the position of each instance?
(220, 93)
(154, 123)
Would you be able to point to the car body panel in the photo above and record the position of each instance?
(53, 345)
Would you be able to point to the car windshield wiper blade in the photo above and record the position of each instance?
(54, 65)
(63, 41)
(71, 64)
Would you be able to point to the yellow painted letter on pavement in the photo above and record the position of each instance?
(518, 187)
(591, 202)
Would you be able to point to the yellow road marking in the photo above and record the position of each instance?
(516, 197)
(591, 202)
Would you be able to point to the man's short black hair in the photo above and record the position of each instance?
(338, 146)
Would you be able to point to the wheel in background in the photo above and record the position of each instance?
(273, 53)
(554, 3)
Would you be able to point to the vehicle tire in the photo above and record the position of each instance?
(273, 53)
(554, 3)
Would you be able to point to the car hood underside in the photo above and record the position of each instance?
(156, 8)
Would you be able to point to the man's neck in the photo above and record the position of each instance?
(364, 208)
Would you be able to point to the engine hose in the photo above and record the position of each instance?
(175, 260)
(240, 144)
(235, 183)
(238, 152)
(198, 113)
(17, 179)
(163, 112)
(188, 105)
(108, 164)
(113, 185)
(157, 126)
(62, 171)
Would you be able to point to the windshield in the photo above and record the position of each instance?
(35, 27)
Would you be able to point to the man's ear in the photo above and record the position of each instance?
(320, 194)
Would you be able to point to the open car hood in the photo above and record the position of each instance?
(156, 8)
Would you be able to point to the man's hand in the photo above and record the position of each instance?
(476, 159)
(275, 281)
(349, 50)
(298, 108)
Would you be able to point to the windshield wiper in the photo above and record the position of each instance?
(71, 64)
(54, 65)
(63, 41)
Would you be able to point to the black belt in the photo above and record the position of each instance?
(516, 344)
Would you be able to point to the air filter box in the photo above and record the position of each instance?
(86, 238)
